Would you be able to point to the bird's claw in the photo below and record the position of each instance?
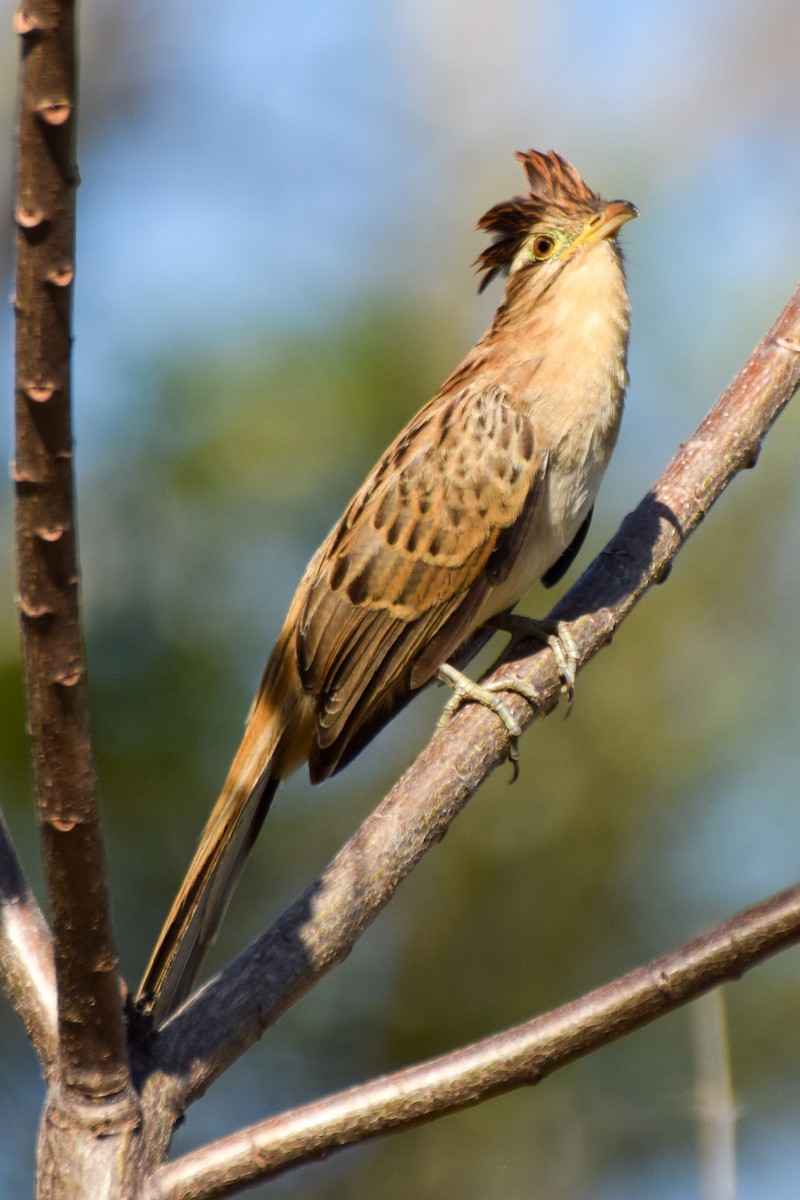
(556, 635)
(466, 689)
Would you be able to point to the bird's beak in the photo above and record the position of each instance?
(614, 216)
(605, 224)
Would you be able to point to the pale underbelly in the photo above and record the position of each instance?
(566, 505)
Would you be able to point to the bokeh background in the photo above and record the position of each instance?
(275, 234)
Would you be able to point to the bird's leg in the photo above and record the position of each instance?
(555, 634)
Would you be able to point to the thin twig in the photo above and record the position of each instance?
(26, 955)
(715, 1103)
(92, 1049)
(319, 929)
(517, 1057)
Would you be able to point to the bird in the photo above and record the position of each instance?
(487, 490)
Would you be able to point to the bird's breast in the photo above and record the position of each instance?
(572, 381)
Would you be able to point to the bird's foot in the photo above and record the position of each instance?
(466, 689)
(556, 635)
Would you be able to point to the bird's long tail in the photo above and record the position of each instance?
(257, 769)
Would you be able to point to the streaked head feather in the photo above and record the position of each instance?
(556, 190)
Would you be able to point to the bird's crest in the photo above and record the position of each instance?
(555, 187)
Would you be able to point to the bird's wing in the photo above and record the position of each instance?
(400, 580)
(556, 573)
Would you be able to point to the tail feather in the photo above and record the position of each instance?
(195, 917)
(232, 828)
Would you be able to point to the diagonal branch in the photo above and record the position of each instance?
(26, 955)
(92, 1053)
(523, 1055)
(319, 929)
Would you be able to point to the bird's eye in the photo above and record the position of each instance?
(543, 246)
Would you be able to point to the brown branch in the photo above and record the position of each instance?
(26, 955)
(319, 929)
(523, 1055)
(92, 1051)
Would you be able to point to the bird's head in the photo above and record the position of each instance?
(539, 232)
